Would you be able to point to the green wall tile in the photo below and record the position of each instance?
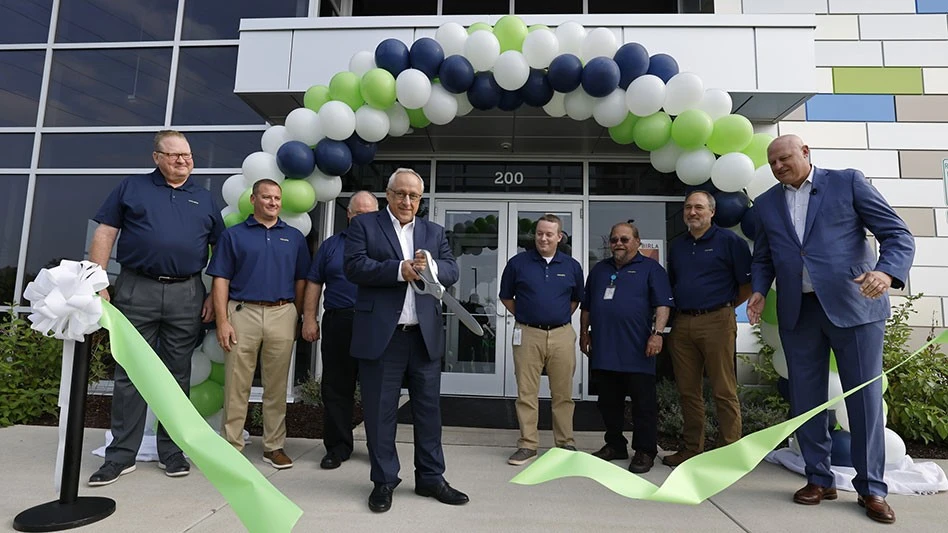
(877, 80)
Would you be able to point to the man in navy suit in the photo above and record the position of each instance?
(832, 295)
(400, 334)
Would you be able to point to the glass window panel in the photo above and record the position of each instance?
(548, 6)
(642, 6)
(327, 9)
(366, 8)
(24, 21)
(12, 206)
(204, 93)
(374, 176)
(114, 87)
(96, 150)
(483, 7)
(116, 20)
(222, 149)
(21, 75)
(697, 6)
(217, 20)
(632, 179)
(653, 220)
(516, 177)
(16, 150)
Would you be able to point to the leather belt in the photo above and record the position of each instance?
(277, 303)
(162, 278)
(696, 312)
(408, 327)
(545, 327)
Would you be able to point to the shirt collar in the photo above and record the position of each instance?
(251, 221)
(707, 234)
(637, 259)
(555, 259)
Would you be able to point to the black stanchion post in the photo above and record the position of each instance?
(70, 510)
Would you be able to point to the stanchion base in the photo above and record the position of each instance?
(55, 516)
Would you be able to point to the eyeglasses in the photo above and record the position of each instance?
(624, 239)
(400, 196)
(183, 155)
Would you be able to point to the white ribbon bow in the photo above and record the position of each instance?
(65, 301)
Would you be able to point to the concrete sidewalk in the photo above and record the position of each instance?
(335, 500)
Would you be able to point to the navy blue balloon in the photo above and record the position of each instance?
(392, 55)
(333, 157)
(662, 65)
(426, 55)
(456, 74)
(565, 73)
(484, 93)
(363, 152)
(510, 100)
(706, 186)
(633, 62)
(600, 77)
(295, 159)
(730, 208)
(537, 92)
(841, 453)
(749, 223)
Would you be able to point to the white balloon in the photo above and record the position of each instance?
(211, 348)
(216, 420)
(570, 36)
(610, 110)
(842, 415)
(302, 124)
(482, 49)
(273, 138)
(556, 107)
(694, 166)
(337, 120)
(200, 367)
(412, 87)
(540, 48)
(794, 444)
(645, 95)
(665, 158)
(399, 124)
(683, 91)
(763, 180)
(894, 447)
(232, 188)
(231, 209)
(716, 102)
(259, 165)
(300, 221)
(732, 172)
(834, 388)
(451, 36)
(779, 361)
(362, 62)
(511, 70)
(464, 104)
(600, 42)
(327, 187)
(579, 105)
(371, 124)
(442, 107)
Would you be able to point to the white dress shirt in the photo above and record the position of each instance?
(406, 238)
(798, 201)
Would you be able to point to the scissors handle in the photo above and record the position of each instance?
(430, 284)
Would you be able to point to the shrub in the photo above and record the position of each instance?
(310, 391)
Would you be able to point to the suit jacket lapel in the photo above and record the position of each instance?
(784, 211)
(816, 199)
(388, 229)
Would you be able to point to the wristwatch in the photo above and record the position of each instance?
(658, 333)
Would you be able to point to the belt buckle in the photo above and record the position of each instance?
(164, 279)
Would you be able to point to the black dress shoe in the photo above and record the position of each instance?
(330, 461)
(443, 493)
(381, 498)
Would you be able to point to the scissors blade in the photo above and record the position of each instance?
(463, 315)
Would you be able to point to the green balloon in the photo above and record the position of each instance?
(652, 132)
(234, 218)
(770, 308)
(315, 97)
(757, 149)
(691, 129)
(207, 397)
(731, 134)
(536, 27)
(510, 31)
(217, 373)
(491, 219)
(344, 87)
(479, 26)
(622, 134)
(244, 204)
(417, 118)
(378, 88)
(480, 223)
(298, 196)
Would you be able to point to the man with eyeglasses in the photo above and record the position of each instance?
(167, 222)
(542, 289)
(398, 334)
(623, 294)
(710, 272)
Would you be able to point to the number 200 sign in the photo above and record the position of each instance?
(508, 178)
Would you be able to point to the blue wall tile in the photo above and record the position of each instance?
(851, 108)
(931, 6)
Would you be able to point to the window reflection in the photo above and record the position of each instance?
(632, 179)
(21, 75)
(214, 20)
(16, 150)
(222, 149)
(204, 93)
(374, 176)
(12, 206)
(362, 8)
(24, 21)
(548, 6)
(114, 87)
(116, 20)
(646, 6)
(483, 7)
(96, 150)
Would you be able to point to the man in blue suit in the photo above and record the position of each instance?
(833, 295)
(399, 334)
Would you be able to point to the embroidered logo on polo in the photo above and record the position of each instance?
(709, 249)
(561, 275)
(284, 239)
(195, 202)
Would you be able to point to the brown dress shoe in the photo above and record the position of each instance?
(677, 458)
(813, 494)
(877, 509)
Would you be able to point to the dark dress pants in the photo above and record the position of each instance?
(613, 387)
(340, 371)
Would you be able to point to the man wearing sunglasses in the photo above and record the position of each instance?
(617, 333)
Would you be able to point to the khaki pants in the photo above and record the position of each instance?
(555, 350)
(271, 332)
(699, 344)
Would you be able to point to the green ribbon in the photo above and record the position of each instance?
(258, 504)
(695, 480)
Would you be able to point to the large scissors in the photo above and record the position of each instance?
(431, 286)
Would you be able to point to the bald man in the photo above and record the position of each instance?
(833, 294)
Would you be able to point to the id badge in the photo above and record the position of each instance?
(517, 336)
(610, 292)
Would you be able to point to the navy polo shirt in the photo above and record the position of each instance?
(327, 270)
(621, 326)
(707, 272)
(165, 231)
(543, 291)
(261, 263)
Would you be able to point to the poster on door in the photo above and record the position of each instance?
(655, 249)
